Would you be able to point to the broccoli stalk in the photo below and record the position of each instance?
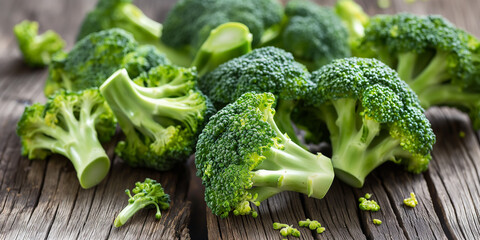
(354, 18)
(242, 158)
(146, 194)
(160, 121)
(37, 50)
(70, 124)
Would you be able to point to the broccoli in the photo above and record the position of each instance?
(37, 50)
(355, 19)
(312, 225)
(267, 69)
(440, 62)
(368, 205)
(372, 116)
(147, 193)
(411, 201)
(242, 158)
(71, 124)
(97, 56)
(377, 221)
(190, 21)
(108, 14)
(286, 230)
(314, 34)
(161, 117)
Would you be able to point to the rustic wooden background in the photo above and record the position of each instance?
(42, 199)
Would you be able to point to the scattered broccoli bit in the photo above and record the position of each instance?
(368, 205)
(161, 117)
(314, 34)
(242, 157)
(461, 134)
(71, 124)
(267, 69)
(372, 117)
(440, 62)
(384, 3)
(189, 22)
(312, 225)
(377, 221)
(411, 201)
(286, 230)
(146, 194)
(97, 56)
(37, 50)
(368, 195)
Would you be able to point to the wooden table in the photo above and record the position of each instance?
(42, 199)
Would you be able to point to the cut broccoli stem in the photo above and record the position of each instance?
(283, 119)
(434, 73)
(131, 209)
(289, 167)
(406, 65)
(133, 20)
(227, 41)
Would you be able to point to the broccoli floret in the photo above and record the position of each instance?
(368, 205)
(314, 34)
(242, 158)
(267, 69)
(355, 19)
(312, 225)
(37, 50)
(190, 21)
(97, 56)
(372, 117)
(161, 117)
(440, 62)
(411, 201)
(146, 194)
(377, 221)
(71, 124)
(286, 230)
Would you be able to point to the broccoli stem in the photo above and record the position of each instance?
(450, 95)
(131, 209)
(283, 119)
(406, 65)
(434, 73)
(289, 167)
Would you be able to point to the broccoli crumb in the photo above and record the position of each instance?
(286, 230)
(377, 221)
(461, 134)
(368, 205)
(312, 225)
(383, 4)
(411, 201)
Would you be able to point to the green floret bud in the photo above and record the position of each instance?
(411, 201)
(242, 157)
(37, 50)
(315, 35)
(97, 56)
(368, 205)
(71, 124)
(161, 118)
(146, 194)
(372, 117)
(286, 230)
(439, 61)
(312, 225)
(377, 221)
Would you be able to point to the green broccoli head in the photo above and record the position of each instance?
(439, 61)
(314, 34)
(97, 56)
(190, 21)
(146, 194)
(372, 117)
(242, 158)
(161, 118)
(71, 124)
(37, 50)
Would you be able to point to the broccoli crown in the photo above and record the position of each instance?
(402, 33)
(242, 157)
(370, 112)
(267, 69)
(190, 21)
(314, 34)
(37, 50)
(72, 124)
(93, 59)
(146, 194)
(162, 117)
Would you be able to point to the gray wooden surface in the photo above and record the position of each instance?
(42, 199)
